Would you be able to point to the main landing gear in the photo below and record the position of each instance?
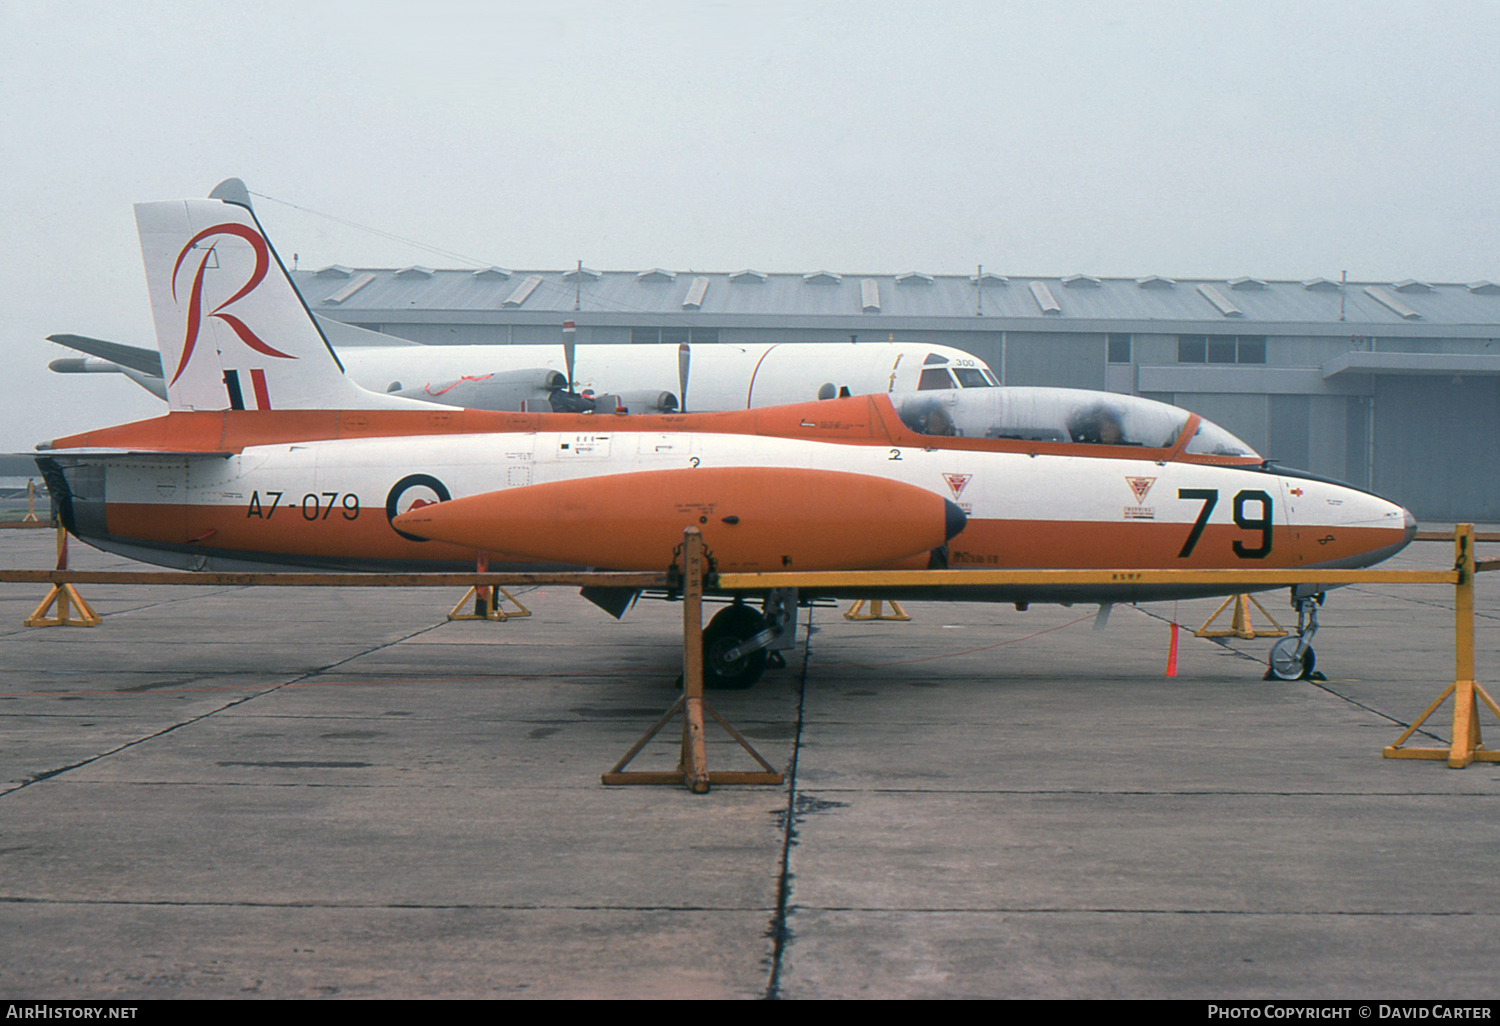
(1292, 657)
(740, 641)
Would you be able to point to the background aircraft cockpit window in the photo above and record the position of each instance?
(934, 377)
(971, 377)
(1045, 415)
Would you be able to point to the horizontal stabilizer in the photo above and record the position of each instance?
(147, 361)
(342, 336)
(131, 455)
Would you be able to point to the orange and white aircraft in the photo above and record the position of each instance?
(271, 456)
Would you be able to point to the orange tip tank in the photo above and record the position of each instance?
(752, 519)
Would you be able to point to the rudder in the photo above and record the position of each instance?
(234, 331)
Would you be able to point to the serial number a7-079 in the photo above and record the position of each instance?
(314, 505)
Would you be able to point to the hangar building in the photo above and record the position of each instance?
(1394, 386)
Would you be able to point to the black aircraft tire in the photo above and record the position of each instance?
(730, 626)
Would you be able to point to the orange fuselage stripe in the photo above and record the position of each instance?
(859, 420)
(990, 544)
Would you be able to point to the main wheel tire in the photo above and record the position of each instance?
(729, 627)
(1284, 664)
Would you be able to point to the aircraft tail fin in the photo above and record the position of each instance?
(235, 334)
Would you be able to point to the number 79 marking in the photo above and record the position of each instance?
(1210, 497)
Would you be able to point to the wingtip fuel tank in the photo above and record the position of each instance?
(752, 519)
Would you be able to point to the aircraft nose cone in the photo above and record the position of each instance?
(1410, 525)
(954, 519)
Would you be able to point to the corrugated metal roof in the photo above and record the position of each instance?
(781, 297)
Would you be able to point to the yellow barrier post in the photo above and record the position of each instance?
(65, 597)
(694, 748)
(692, 764)
(1465, 744)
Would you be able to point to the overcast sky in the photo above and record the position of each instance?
(1283, 140)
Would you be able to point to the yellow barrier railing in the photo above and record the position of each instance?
(1466, 746)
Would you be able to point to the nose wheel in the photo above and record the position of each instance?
(1292, 657)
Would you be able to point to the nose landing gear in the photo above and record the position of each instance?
(1292, 657)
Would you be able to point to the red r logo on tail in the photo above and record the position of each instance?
(196, 315)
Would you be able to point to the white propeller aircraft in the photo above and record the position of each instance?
(271, 456)
(567, 378)
(647, 378)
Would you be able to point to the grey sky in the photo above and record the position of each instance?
(1197, 138)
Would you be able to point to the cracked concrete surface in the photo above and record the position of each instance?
(302, 793)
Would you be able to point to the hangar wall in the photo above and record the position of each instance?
(1433, 439)
(1389, 386)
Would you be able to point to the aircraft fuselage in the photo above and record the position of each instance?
(327, 496)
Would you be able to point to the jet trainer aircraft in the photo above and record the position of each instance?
(271, 456)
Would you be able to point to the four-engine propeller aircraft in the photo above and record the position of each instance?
(646, 378)
(563, 378)
(272, 456)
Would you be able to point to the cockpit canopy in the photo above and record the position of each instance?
(1067, 415)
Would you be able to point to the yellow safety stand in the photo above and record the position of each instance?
(30, 516)
(896, 613)
(694, 754)
(1466, 745)
(692, 762)
(487, 605)
(1240, 626)
(487, 599)
(65, 597)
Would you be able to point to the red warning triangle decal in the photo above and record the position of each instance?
(1140, 485)
(957, 483)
